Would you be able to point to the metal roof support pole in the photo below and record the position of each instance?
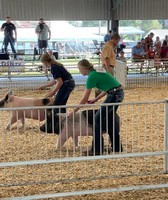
(114, 22)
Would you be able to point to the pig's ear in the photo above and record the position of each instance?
(6, 99)
(7, 96)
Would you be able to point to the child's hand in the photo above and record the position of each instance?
(91, 101)
(41, 88)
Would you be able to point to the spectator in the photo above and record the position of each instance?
(138, 54)
(120, 47)
(108, 56)
(44, 34)
(157, 45)
(164, 51)
(151, 53)
(8, 27)
(110, 87)
(143, 43)
(122, 57)
(149, 41)
(166, 38)
(62, 79)
(107, 37)
(164, 54)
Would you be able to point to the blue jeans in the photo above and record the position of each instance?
(9, 39)
(63, 94)
(104, 116)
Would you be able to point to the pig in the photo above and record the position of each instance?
(11, 101)
(80, 125)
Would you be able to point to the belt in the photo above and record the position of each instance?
(114, 89)
(69, 80)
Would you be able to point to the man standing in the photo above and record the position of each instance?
(108, 56)
(107, 37)
(8, 29)
(44, 34)
(149, 41)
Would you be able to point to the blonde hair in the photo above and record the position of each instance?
(86, 64)
(46, 57)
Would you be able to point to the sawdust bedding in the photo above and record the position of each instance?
(131, 95)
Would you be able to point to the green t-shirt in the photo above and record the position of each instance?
(100, 80)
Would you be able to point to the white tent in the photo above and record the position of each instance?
(158, 32)
(123, 30)
(60, 31)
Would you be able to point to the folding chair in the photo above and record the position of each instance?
(97, 48)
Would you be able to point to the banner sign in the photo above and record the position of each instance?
(11, 65)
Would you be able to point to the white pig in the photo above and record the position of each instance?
(11, 101)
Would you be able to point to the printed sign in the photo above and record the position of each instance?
(11, 65)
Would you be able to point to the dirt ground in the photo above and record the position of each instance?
(131, 95)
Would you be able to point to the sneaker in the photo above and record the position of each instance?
(91, 153)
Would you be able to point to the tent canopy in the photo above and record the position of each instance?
(60, 31)
(158, 32)
(64, 31)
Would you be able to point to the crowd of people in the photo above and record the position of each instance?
(148, 49)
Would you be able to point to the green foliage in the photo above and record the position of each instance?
(145, 25)
(88, 23)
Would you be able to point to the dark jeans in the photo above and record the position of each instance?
(9, 39)
(104, 119)
(63, 94)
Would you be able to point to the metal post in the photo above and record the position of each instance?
(114, 23)
(166, 135)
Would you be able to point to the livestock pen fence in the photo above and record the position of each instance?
(32, 168)
(25, 76)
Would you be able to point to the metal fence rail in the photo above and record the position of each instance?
(30, 156)
(31, 75)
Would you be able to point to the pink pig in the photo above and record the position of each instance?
(81, 124)
(74, 127)
(11, 101)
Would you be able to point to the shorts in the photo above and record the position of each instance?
(42, 44)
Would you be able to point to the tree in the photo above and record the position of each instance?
(145, 25)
